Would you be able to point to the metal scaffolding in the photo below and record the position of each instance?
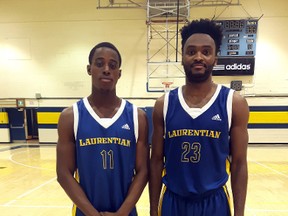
(110, 4)
(164, 20)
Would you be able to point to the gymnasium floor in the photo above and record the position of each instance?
(28, 183)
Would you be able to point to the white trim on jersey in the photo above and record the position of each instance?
(165, 109)
(195, 112)
(76, 119)
(229, 107)
(104, 122)
(136, 122)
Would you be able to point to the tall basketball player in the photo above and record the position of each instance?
(200, 136)
(102, 150)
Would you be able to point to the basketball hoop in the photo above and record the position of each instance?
(167, 85)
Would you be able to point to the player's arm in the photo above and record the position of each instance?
(141, 169)
(65, 163)
(239, 143)
(156, 163)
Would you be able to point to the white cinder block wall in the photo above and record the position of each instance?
(44, 47)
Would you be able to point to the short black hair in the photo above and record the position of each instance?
(104, 44)
(204, 26)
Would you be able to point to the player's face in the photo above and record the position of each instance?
(198, 57)
(104, 69)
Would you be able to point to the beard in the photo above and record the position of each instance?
(198, 78)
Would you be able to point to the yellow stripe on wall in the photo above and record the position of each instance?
(48, 117)
(4, 118)
(268, 117)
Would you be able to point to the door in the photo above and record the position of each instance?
(16, 122)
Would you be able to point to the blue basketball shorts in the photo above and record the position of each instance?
(217, 203)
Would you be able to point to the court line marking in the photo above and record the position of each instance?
(266, 210)
(29, 191)
(22, 164)
(263, 165)
(7, 148)
(273, 170)
(12, 147)
(256, 210)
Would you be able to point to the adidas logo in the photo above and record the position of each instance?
(216, 118)
(126, 127)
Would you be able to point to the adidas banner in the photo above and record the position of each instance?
(234, 66)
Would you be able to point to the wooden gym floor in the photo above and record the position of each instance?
(28, 185)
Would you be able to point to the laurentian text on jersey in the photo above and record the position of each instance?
(191, 132)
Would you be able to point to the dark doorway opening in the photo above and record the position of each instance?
(32, 125)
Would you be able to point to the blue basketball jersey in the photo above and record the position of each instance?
(105, 154)
(196, 146)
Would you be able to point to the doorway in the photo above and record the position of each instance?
(23, 124)
(32, 124)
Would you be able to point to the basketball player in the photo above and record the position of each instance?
(102, 150)
(200, 129)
